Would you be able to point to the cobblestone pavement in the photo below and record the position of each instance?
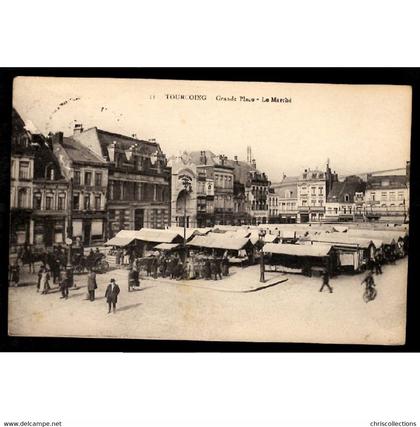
(290, 311)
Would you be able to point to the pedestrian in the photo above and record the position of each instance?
(225, 264)
(378, 268)
(41, 270)
(15, 274)
(92, 285)
(218, 263)
(44, 285)
(64, 285)
(55, 268)
(207, 269)
(154, 267)
(326, 281)
(111, 295)
(213, 269)
(131, 279)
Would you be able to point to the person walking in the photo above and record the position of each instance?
(92, 285)
(15, 274)
(326, 281)
(218, 263)
(111, 295)
(378, 268)
(44, 282)
(41, 270)
(64, 285)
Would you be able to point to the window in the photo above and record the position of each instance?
(304, 176)
(313, 201)
(392, 195)
(86, 203)
(48, 203)
(313, 190)
(76, 202)
(24, 170)
(373, 196)
(320, 190)
(98, 202)
(400, 195)
(88, 178)
(383, 195)
(314, 176)
(98, 179)
(37, 201)
(61, 202)
(320, 202)
(346, 197)
(76, 178)
(22, 198)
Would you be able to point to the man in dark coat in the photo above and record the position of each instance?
(64, 285)
(326, 281)
(92, 284)
(111, 295)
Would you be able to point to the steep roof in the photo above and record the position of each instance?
(45, 157)
(349, 186)
(79, 153)
(125, 142)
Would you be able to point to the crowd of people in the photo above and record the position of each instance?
(173, 266)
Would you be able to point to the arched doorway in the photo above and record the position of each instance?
(183, 207)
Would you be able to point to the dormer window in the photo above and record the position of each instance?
(346, 198)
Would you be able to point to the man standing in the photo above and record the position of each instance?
(92, 284)
(326, 281)
(64, 285)
(111, 295)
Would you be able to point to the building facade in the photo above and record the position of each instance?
(87, 174)
(345, 200)
(283, 201)
(138, 179)
(387, 197)
(311, 195)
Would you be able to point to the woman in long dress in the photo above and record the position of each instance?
(44, 283)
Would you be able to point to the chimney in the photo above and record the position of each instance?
(78, 128)
(57, 138)
(236, 159)
(254, 163)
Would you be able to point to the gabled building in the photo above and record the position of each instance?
(345, 200)
(138, 179)
(87, 174)
(38, 197)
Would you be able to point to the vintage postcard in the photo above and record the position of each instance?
(209, 210)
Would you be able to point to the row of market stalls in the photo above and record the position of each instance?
(298, 249)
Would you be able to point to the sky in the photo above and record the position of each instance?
(360, 128)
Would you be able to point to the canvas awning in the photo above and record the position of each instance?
(167, 246)
(157, 235)
(297, 250)
(119, 241)
(219, 241)
(338, 239)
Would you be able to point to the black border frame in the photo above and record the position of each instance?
(392, 76)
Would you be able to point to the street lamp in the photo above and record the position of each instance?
(69, 239)
(186, 183)
(261, 235)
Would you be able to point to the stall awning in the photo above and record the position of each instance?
(157, 235)
(297, 250)
(219, 241)
(119, 241)
(338, 239)
(167, 246)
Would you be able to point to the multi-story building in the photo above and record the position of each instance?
(283, 201)
(387, 197)
(87, 199)
(311, 195)
(345, 200)
(38, 190)
(50, 197)
(138, 180)
(21, 183)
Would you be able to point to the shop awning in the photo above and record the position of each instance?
(338, 239)
(157, 235)
(297, 250)
(119, 241)
(167, 246)
(220, 241)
